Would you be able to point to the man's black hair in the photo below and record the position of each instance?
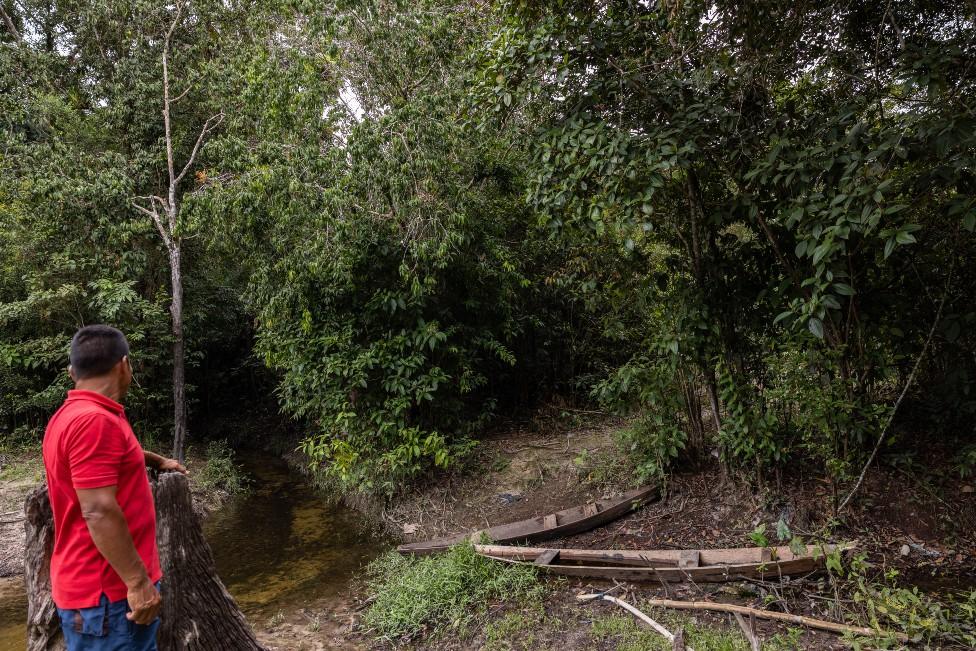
(95, 349)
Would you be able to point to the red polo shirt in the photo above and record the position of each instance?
(89, 444)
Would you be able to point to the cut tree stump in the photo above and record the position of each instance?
(198, 613)
(43, 626)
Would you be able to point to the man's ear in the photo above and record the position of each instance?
(71, 373)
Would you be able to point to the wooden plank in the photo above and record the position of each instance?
(551, 521)
(572, 521)
(591, 509)
(652, 558)
(689, 558)
(546, 557)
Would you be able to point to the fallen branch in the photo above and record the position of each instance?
(668, 635)
(809, 622)
(749, 630)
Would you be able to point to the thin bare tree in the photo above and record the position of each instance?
(165, 214)
(9, 22)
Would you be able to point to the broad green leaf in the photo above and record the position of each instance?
(816, 327)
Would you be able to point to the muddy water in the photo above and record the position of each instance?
(282, 546)
(277, 548)
(13, 614)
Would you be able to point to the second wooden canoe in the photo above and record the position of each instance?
(669, 565)
(555, 525)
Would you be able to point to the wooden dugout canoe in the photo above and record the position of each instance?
(705, 565)
(555, 525)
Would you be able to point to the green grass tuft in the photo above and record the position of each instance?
(434, 593)
(624, 633)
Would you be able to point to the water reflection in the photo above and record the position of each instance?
(282, 546)
(13, 614)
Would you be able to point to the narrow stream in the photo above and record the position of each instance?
(282, 546)
(279, 547)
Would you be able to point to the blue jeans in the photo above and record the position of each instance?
(105, 628)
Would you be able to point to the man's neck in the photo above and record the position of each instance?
(107, 387)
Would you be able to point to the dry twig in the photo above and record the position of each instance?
(668, 635)
(809, 622)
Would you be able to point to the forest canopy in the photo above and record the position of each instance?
(749, 226)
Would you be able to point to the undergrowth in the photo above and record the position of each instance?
(624, 633)
(221, 470)
(436, 593)
(522, 629)
(886, 606)
(21, 467)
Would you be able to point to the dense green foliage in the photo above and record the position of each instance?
(221, 471)
(397, 277)
(81, 139)
(421, 216)
(802, 197)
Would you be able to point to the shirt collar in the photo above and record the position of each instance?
(92, 396)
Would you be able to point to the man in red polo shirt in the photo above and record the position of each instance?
(105, 566)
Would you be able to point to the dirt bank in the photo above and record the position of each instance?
(523, 475)
(922, 526)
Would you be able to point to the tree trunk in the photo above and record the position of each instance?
(198, 612)
(179, 353)
(712, 385)
(43, 625)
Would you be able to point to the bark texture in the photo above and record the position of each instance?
(179, 354)
(198, 612)
(43, 626)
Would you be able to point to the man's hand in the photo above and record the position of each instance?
(145, 601)
(162, 464)
(167, 465)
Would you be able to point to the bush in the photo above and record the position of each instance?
(946, 621)
(651, 387)
(443, 591)
(924, 619)
(221, 472)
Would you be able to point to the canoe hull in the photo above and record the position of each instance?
(765, 563)
(563, 523)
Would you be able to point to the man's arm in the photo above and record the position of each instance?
(161, 463)
(110, 532)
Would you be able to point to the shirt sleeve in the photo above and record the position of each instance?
(95, 452)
